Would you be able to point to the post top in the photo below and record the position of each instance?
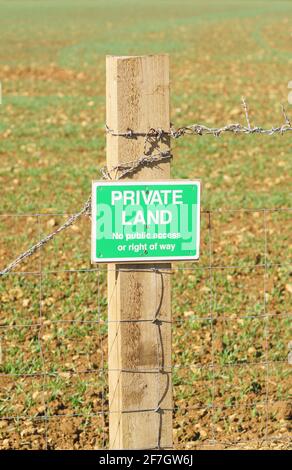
(143, 56)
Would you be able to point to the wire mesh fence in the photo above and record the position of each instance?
(231, 330)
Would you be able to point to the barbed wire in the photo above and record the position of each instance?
(201, 129)
(149, 158)
(34, 248)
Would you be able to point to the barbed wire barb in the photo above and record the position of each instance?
(287, 119)
(245, 107)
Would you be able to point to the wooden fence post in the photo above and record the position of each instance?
(139, 312)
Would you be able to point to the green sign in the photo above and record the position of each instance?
(147, 221)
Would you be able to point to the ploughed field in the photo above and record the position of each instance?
(232, 309)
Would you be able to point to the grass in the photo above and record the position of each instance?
(52, 143)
